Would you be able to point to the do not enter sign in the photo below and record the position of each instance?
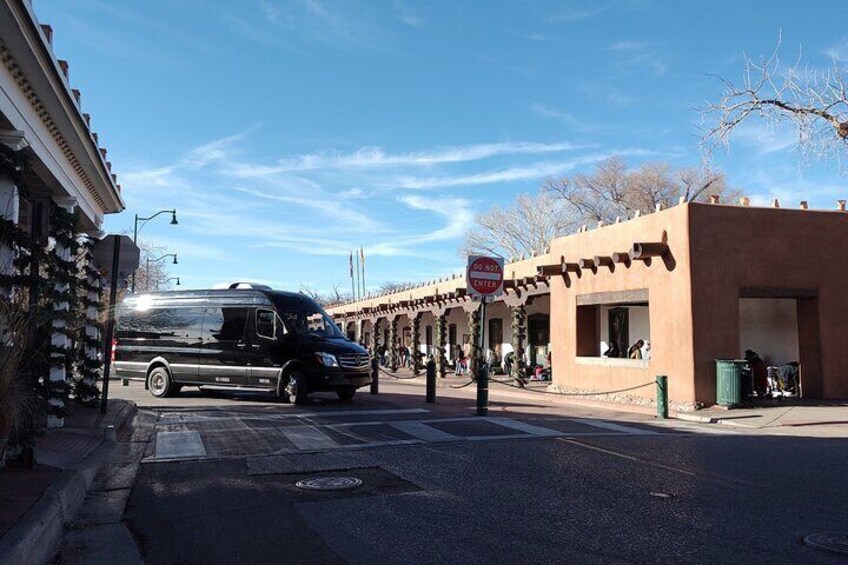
(485, 275)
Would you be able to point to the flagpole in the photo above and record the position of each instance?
(358, 286)
(352, 287)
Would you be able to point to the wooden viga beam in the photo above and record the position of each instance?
(570, 267)
(602, 261)
(587, 264)
(621, 257)
(642, 251)
(549, 270)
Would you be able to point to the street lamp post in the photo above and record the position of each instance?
(147, 269)
(143, 221)
(169, 280)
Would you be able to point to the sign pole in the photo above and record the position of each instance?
(110, 324)
(484, 277)
(482, 367)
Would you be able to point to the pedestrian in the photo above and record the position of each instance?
(635, 351)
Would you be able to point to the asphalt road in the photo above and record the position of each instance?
(214, 483)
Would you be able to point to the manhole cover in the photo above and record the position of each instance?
(328, 483)
(828, 541)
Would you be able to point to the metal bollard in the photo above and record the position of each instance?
(375, 375)
(662, 397)
(482, 388)
(431, 381)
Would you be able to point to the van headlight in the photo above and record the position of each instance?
(327, 359)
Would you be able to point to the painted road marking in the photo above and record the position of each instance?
(170, 418)
(526, 428)
(308, 437)
(177, 445)
(614, 427)
(423, 431)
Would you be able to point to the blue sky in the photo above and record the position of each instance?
(287, 133)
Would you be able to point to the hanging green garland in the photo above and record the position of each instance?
(474, 330)
(416, 343)
(519, 333)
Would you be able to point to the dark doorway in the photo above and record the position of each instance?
(538, 337)
(619, 334)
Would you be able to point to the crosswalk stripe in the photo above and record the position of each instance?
(423, 431)
(308, 437)
(524, 427)
(614, 427)
(177, 445)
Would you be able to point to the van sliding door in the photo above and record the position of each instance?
(223, 358)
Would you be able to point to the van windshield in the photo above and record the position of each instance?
(304, 318)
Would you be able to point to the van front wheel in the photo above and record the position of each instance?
(159, 382)
(295, 389)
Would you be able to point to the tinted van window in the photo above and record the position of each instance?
(172, 324)
(266, 323)
(304, 317)
(224, 324)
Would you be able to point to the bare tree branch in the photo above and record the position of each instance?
(812, 101)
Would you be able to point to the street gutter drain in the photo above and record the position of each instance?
(328, 483)
(828, 541)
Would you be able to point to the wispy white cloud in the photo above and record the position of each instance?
(345, 217)
(378, 158)
(512, 174)
(626, 46)
(838, 51)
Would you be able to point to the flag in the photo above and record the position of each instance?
(351, 265)
(362, 256)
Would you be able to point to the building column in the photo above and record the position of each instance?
(474, 333)
(358, 330)
(393, 349)
(10, 212)
(375, 332)
(88, 363)
(415, 320)
(519, 335)
(441, 339)
(62, 235)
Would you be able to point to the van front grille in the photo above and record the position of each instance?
(353, 361)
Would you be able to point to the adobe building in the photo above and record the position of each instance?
(698, 282)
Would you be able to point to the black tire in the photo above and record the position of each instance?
(346, 394)
(159, 383)
(294, 390)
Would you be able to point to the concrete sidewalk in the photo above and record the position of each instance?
(796, 415)
(35, 504)
(790, 417)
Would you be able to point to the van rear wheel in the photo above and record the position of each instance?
(159, 382)
(295, 389)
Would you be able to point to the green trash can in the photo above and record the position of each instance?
(729, 382)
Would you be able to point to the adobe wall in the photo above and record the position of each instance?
(669, 293)
(741, 247)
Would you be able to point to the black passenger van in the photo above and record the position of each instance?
(252, 338)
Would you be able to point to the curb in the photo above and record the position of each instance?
(695, 418)
(36, 536)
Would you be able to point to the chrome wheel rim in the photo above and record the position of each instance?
(157, 383)
(291, 388)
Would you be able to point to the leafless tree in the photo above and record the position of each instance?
(525, 227)
(157, 277)
(814, 102)
(612, 190)
(326, 300)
